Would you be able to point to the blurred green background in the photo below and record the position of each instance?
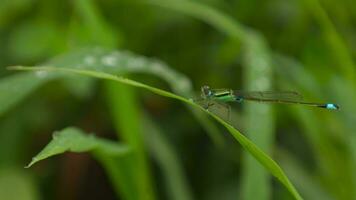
(308, 46)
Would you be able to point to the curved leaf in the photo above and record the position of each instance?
(114, 62)
(256, 152)
(74, 140)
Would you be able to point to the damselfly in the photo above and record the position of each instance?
(223, 96)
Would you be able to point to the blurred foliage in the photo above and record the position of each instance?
(306, 46)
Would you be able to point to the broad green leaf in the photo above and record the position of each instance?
(74, 140)
(109, 154)
(262, 157)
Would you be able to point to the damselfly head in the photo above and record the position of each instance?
(206, 92)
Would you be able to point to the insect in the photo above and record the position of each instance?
(210, 97)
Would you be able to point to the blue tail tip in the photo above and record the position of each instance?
(331, 106)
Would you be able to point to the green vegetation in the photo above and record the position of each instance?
(105, 68)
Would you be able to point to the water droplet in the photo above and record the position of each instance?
(89, 60)
(41, 74)
(158, 68)
(109, 60)
(137, 63)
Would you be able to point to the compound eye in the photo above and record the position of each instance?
(205, 90)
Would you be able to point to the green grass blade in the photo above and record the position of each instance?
(257, 76)
(336, 44)
(262, 157)
(168, 160)
(100, 33)
(124, 109)
(74, 140)
(127, 120)
(256, 57)
(110, 154)
(302, 179)
(205, 13)
(118, 62)
(331, 157)
(114, 62)
(122, 62)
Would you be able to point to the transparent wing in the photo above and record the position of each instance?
(280, 96)
(220, 109)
